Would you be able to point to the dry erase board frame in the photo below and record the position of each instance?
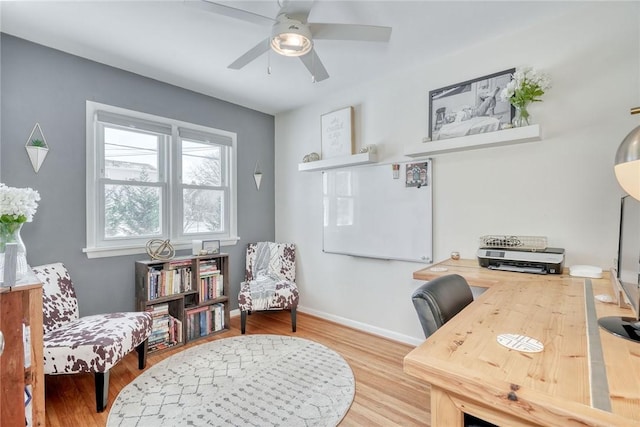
(369, 213)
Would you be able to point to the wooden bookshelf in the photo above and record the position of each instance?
(188, 297)
(21, 311)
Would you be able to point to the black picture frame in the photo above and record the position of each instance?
(470, 107)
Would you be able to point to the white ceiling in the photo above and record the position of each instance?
(191, 48)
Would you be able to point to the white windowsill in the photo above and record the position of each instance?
(103, 252)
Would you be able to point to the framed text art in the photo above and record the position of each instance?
(470, 107)
(337, 133)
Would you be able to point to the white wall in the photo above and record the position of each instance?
(562, 187)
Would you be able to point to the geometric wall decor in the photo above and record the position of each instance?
(37, 148)
(257, 175)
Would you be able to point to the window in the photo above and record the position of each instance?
(150, 177)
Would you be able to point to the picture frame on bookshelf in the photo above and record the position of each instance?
(210, 247)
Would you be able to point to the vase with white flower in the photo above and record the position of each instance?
(17, 206)
(527, 86)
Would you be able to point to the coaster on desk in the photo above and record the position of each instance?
(520, 343)
(438, 269)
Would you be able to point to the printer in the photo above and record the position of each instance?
(545, 261)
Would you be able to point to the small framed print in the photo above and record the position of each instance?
(337, 137)
(417, 174)
(210, 247)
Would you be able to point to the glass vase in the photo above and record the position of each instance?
(10, 233)
(522, 116)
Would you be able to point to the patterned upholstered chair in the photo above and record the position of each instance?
(90, 344)
(270, 280)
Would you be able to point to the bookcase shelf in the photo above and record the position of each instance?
(188, 297)
(472, 142)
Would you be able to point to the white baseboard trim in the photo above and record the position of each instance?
(374, 330)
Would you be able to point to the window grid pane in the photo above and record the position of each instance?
(132, 211)
(201, 164)
(130, 155)
(203, 211)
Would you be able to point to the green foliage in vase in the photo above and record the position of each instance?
(527, 86)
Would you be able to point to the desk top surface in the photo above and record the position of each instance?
(464, 354)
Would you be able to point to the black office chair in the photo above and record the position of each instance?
(438, 300)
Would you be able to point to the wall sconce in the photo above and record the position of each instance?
(37, 148)
(257, 175)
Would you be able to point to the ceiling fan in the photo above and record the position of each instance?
(292, 34)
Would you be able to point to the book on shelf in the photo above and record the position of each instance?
(202, 321)
(218, 310)
(166, 330)
(207, 266)
(211, 286)
(174, 279)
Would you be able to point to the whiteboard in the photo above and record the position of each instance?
(370, 214)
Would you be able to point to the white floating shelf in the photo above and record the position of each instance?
(338, 162)
(472, 142)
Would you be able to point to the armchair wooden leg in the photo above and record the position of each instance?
(142, 354)
(293, 319)
(102, 390)
(243, 321)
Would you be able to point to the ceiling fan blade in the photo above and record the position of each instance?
(315, 66)
(251, 54)
(231, 12)
(367, 33)
(297, 9)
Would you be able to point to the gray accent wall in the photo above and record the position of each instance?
(50, 87)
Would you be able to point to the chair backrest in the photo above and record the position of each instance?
(282, 260)
(59, 302)
(438, 300)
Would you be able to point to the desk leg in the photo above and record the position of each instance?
(444, 412)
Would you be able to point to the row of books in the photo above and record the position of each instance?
(166, 330)
(211, 286)
(202, 321)
(169, 280)
(208, 266)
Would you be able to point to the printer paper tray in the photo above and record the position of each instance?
(517, 269)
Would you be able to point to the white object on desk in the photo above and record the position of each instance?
(520, 343)
(585, 271)
(605, 298)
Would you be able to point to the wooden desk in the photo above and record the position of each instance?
(470, 372)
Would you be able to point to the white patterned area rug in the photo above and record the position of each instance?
(250, 380)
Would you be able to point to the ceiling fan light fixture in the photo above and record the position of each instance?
(291, 38)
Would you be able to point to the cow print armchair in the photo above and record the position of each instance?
(270, 280)
(90, 344)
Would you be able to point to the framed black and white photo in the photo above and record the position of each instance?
(470, 107)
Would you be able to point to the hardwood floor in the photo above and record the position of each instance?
(385, 395)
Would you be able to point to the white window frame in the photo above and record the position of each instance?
(97, 246)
